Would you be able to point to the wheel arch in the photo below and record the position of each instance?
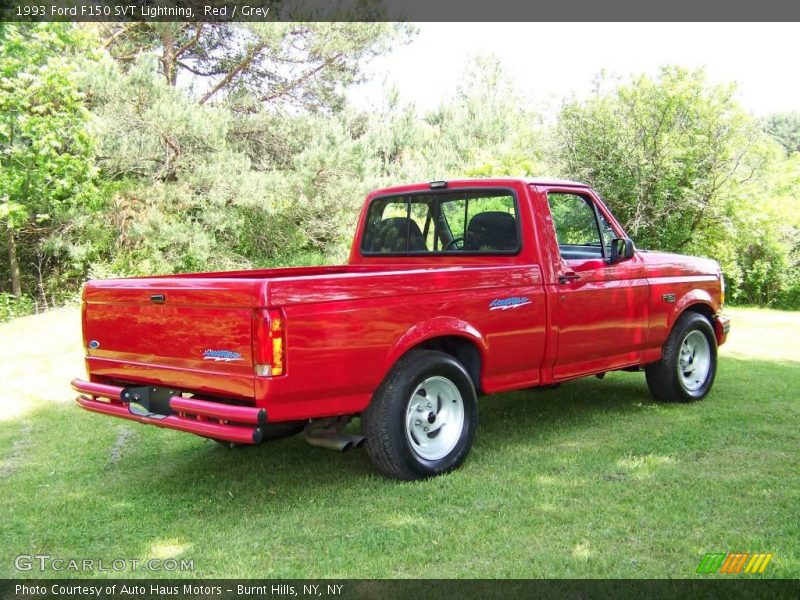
(701, 308)
(451, 336)
(697, 300)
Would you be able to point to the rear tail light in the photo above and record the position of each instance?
(269, 342)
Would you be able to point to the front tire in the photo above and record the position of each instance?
(421, 421)
(688, 362)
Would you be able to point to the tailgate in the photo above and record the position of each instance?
(190, 333)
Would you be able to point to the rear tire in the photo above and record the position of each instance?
(688, 362)
(422, 419)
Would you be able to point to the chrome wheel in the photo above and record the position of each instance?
(434, 418)
(694, 360)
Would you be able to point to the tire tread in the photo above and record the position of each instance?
(378, 420)
(662, 376)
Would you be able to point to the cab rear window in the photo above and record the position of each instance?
(448, 222)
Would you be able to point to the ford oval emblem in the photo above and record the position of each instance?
(94, 344)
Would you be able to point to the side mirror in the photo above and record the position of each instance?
(621, 249)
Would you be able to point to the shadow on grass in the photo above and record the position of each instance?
(174, 461)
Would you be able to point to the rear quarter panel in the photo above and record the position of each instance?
(345, 333)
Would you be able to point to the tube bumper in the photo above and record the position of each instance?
(238, 424)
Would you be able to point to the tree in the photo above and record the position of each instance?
(294, 64)
(45, 146)
(766, 237)
(785, 129)
(665, 153)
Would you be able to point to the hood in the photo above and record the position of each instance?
(666, 264)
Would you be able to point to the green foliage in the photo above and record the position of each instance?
(46, 147)
(12, 307)
(247, 62)
(120, 162)
(487, 129)
(663, 152)
(685, 170)
(785, 129)
(766, 236)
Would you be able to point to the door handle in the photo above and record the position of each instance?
(566, 277)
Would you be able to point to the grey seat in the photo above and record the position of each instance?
(491, 231)
(391, 236)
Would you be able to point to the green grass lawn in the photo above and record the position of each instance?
(593, 479)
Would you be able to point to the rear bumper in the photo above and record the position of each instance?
(238, 424)
(722, 325)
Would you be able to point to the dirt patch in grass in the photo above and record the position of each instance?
(15, 459)
(120, 444)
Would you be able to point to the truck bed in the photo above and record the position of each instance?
(344, 325)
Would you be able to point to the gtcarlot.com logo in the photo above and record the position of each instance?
(45, 562)
(731, 563)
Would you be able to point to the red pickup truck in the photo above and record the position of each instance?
(453, 289)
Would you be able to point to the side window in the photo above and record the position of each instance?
(576, 226)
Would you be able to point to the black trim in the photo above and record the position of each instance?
(153, 398)
(597, 215)
(444, 192)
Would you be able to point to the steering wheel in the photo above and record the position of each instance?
(453, 243)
